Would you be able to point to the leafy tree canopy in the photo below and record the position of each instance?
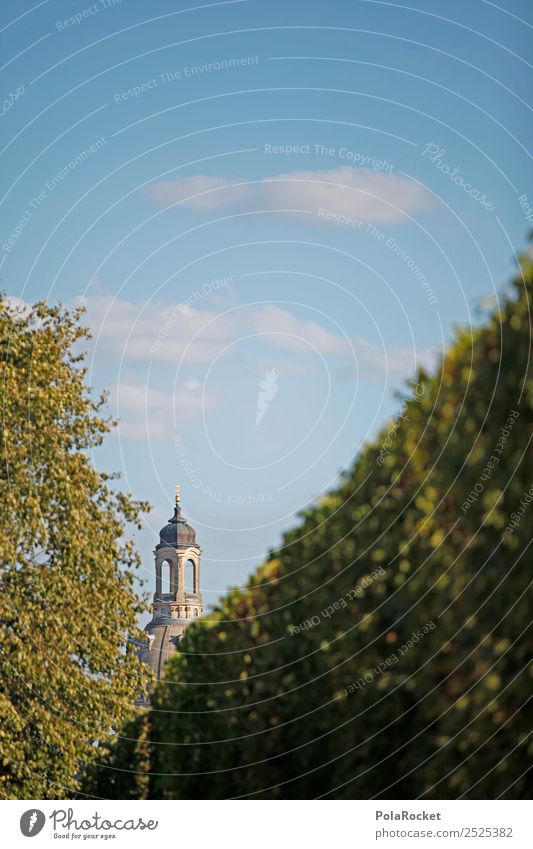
(68, 675)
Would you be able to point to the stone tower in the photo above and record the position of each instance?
(177, 598)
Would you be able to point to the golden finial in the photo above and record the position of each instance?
(177, 494)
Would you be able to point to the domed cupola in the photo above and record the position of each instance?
(177, 533)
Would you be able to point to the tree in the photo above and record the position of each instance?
(382, 650)
(68, 673)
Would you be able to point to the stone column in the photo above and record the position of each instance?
(174, 577)
(181, 574)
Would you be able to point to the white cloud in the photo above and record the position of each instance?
(147, 413)
(124, 332)
(190, 337)
(153, 331)
(287, 332)
(395, 360)
(358, 193)
(351, 192)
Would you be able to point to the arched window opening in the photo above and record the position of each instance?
(189, 577)
(165, 577)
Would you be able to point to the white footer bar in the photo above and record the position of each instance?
(268, 824)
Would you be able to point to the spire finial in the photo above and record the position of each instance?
(177, 495)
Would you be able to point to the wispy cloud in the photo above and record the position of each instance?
(124, 332)
(195, 337)
(285, 331)
(359, 193)
(177, 332)
(150, 414)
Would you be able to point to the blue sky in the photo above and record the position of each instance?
(259, 205)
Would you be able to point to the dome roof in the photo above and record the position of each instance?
(177, 533)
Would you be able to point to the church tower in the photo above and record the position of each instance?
(177, 598)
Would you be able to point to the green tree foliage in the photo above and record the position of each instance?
(381, 651)
(68, 603)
